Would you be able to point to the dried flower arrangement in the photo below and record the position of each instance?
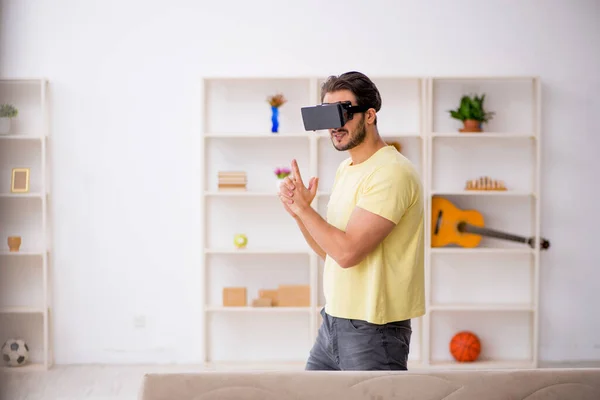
(277, 100)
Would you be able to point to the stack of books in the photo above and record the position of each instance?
(232, 181)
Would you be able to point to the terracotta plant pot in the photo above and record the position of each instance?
(14, 243)
(471, 125)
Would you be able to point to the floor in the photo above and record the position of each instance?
(90, 382)
(96, 382)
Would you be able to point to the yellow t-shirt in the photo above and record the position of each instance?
(388, 285)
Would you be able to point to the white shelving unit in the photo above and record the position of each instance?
(491, 290)
(460, 281)
(24, 275)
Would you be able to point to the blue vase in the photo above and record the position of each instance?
(274, 119)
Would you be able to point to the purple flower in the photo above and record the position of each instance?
(282, 172)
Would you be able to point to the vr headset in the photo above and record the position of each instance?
(329, 116)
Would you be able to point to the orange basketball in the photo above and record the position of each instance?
(465, 346)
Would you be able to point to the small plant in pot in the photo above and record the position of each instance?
(281, 174)
(7, 111)
(472, 113)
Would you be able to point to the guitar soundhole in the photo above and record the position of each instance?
(438, 222)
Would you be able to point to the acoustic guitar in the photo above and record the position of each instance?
(465, 228)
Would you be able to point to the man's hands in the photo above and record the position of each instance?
(365, 230)
(294, 196)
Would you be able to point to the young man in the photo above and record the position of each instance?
(372, 241)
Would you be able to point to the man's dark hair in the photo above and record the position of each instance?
(364, 89)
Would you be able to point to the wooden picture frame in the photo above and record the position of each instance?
(19, 182)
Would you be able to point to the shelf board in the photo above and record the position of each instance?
(247, 193)
(481, 307)
(21, 310)
(256, 251)
(255, 365)
(21, 253)
(412, 365)
(481, 250)
(254, 78)
(23, 79)
(21, 137)
(390, 135)
(393, 135)
(267, 135)
(485, 135)
(515, 193)
(21, 195)
(467, 78)
(274, 365)
(484, 364)
(239, 193)
(509, 193)
(251, 309)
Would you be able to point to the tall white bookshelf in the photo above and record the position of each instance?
(24, 275)
(237, 137)
(491, 290)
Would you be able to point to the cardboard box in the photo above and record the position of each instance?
(293, 295)
(235, 297)
(269, 294)
(262, 302)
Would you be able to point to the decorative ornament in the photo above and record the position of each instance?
(240, 240)
(14, 243)
(276, 101)
(485, 183)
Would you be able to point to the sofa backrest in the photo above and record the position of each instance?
(534, 384)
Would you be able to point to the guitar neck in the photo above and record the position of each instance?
(464, 227)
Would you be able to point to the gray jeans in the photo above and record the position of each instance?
(354, 345)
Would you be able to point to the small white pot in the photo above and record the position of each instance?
(4, 125)
(279, 182)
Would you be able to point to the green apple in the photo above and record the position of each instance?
(240, 240)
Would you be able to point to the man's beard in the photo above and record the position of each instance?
(357, 137)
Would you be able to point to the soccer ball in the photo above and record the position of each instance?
(15, 352)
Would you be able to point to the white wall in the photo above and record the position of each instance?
(125, 93)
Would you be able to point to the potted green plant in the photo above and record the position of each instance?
(7, 111)
(472, 113)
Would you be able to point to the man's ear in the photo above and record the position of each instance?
(370, 116)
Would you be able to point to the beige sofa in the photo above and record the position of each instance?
(533, 384)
